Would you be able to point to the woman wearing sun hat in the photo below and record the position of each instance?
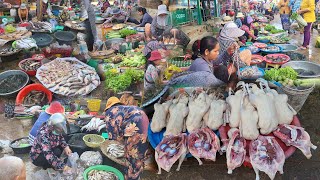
(128, 125)
(152, 74)
(239, 19)
(55, 107)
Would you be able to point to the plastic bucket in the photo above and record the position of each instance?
(296, 98)
(94, 104)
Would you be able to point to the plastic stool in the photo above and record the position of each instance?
(272, 65)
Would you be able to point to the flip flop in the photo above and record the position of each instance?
(302, 48)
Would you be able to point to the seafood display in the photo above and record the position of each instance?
(277, 58)
(68, 76)
(271, 49)
(256, 59)
(35, 98)
(253, 49)
(16, 35)
(98, 175)
(25, 43)
(40, 27)
(116, 150)
(8, 50)
(75, 25)
(12, 83)
(21, 143)
(251, 72)
(95, 124)
(30, 65)
(91, 158)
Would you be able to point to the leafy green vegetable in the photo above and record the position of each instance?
(9, 28)
(294, 16)
(126, 32)
(281, 74)
(120, 82)
(137, 60)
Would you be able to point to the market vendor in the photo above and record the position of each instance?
(119, 16)
(49, 144)
(146, 18)
(23, 14)
(228, 36)
(160, 25)
(206, 58)
(128, 125)
(12, 168)
(88, 16)
(152, 75)
(55, 107)
(153, 44)
(239, 19)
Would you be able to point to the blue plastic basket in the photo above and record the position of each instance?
(156, 138)
(260, 69)
(272, 52)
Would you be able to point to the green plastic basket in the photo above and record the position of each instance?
(103, 168)
(180, 62)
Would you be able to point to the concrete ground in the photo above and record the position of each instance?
(296, 167)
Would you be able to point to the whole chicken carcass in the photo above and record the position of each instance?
(203, 143)
(284, 111)
(197, 109)
(236, 151)
(169, 150)
(178, 112)
(266, 155)
(295, 136)
(264, 104)
(249, 121)
(234, 103)
(215, 114)
(160, 116)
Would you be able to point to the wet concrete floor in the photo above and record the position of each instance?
(296, 167)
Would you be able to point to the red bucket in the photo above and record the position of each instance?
(32, 87)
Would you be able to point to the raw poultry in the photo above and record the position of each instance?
(266, 155)
(197, 109)
(160, 116)
(236, 151)
(295, 136)
(203, 143)
(214, 117)
(169, 150)
(178, 112)
(249, 121)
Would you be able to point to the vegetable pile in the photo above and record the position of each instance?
(135, 60)
(127, 32)
(9, 29)
(120, 82)
(281, 74)
(114, 34)
(273, 29)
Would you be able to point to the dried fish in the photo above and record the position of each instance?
(98, 175)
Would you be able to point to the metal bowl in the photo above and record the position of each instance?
(114, 41)
(288, 47)
(6, 74)
(304, 65)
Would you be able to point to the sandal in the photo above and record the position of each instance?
(302, 48)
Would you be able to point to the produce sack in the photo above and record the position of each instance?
(317, 42)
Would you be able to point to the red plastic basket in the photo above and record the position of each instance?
(30, 73)
(32, 87)
(255, 56)
(288, 150)
(277, 55)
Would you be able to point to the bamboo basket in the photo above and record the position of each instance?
(103, 54)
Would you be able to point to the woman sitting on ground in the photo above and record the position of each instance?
(146, 18)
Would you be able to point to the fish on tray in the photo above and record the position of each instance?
(69, 78)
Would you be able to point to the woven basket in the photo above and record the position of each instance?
(95, 140)
(103, 54)
(122, 161)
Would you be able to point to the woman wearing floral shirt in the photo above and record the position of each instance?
(129, 125)
(49, 144)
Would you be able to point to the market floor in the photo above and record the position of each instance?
(296, 167)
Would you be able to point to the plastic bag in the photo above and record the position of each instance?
(41, 174)
(72, 162)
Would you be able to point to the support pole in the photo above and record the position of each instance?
(199, 13)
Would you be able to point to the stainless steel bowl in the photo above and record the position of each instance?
(304, 65)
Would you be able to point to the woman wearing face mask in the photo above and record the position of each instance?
(50, 144)
(160, 25)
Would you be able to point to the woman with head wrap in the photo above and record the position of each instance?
(128, 125)
(50, 144)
